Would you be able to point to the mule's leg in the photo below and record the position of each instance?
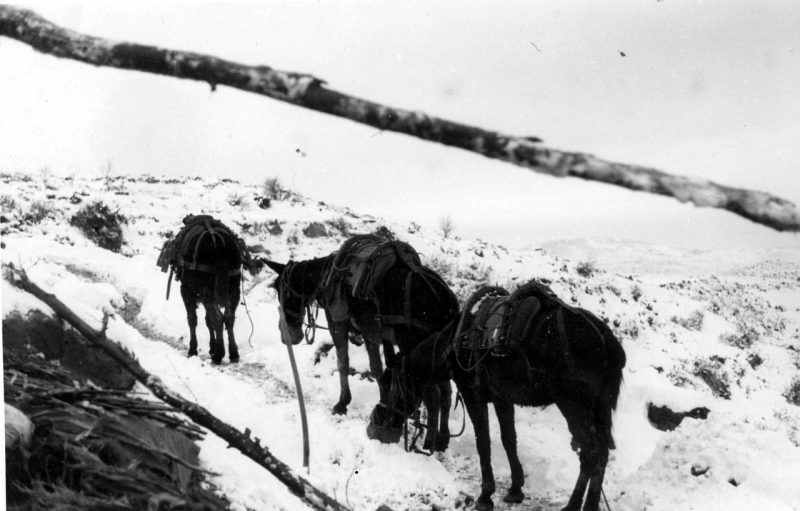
(578, 413)
(376, 366)
(388, 353)
(508, 434)
(596, 483)
(433, 403)
(597, 451)
(212, 345)
(190, 302)
(479, 415)
(340, 341)
(445, 401)
(230, 318)
(215, 324)
(388, 356)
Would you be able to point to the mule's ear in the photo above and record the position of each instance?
(276, 267)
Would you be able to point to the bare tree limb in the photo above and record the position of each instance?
(308, 493)
(310, 92)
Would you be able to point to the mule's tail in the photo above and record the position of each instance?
(612, 384)
(221, 287)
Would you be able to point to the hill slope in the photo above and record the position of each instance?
(720, 331)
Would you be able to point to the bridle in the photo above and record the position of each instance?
(309, 311)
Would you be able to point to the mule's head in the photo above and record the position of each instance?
(291, 303)
(419, 370)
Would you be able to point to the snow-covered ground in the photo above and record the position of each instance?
(720, 330)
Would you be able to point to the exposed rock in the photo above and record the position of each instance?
(665, 419)
(315, 230)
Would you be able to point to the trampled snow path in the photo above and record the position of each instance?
(738, 323)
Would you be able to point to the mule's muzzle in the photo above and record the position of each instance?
(293, 334)
(385, 425)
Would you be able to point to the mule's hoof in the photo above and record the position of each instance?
(484, 504)
(216, 361)
(339, 409)
(442, 443)
(514, 496)
(234, 359)
(192, 353)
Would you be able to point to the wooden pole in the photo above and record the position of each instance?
(307, 91)
(251, 448)
(287, 340)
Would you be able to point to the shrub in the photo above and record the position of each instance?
(38, 211)
(475, 273)
(384, 233)
(792, 394)
(7, 204)
(271, 227)
(273, 189)
(341, 225)
(755, 360)
(711, 371)
(101, 225)
(236, 200)
(107, 170)
(693, 322)
(586, 269)
(741, 340)
(446, 226)
(441, 266)
(636, 293)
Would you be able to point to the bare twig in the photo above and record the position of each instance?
(305, 90)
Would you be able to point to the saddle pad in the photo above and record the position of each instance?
(501, 322)
(488, 323)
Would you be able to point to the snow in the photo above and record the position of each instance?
(672, 308)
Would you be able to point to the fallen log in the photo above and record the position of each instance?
(308, 91)
(307, 492)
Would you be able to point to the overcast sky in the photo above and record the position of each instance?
(707, 89)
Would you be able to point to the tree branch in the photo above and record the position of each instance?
(310, 92)
(308, 493)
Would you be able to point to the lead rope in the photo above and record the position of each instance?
(605, 499)
(247, 311)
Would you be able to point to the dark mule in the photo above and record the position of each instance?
(563, 355)
(207, 259)
(403, 306)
